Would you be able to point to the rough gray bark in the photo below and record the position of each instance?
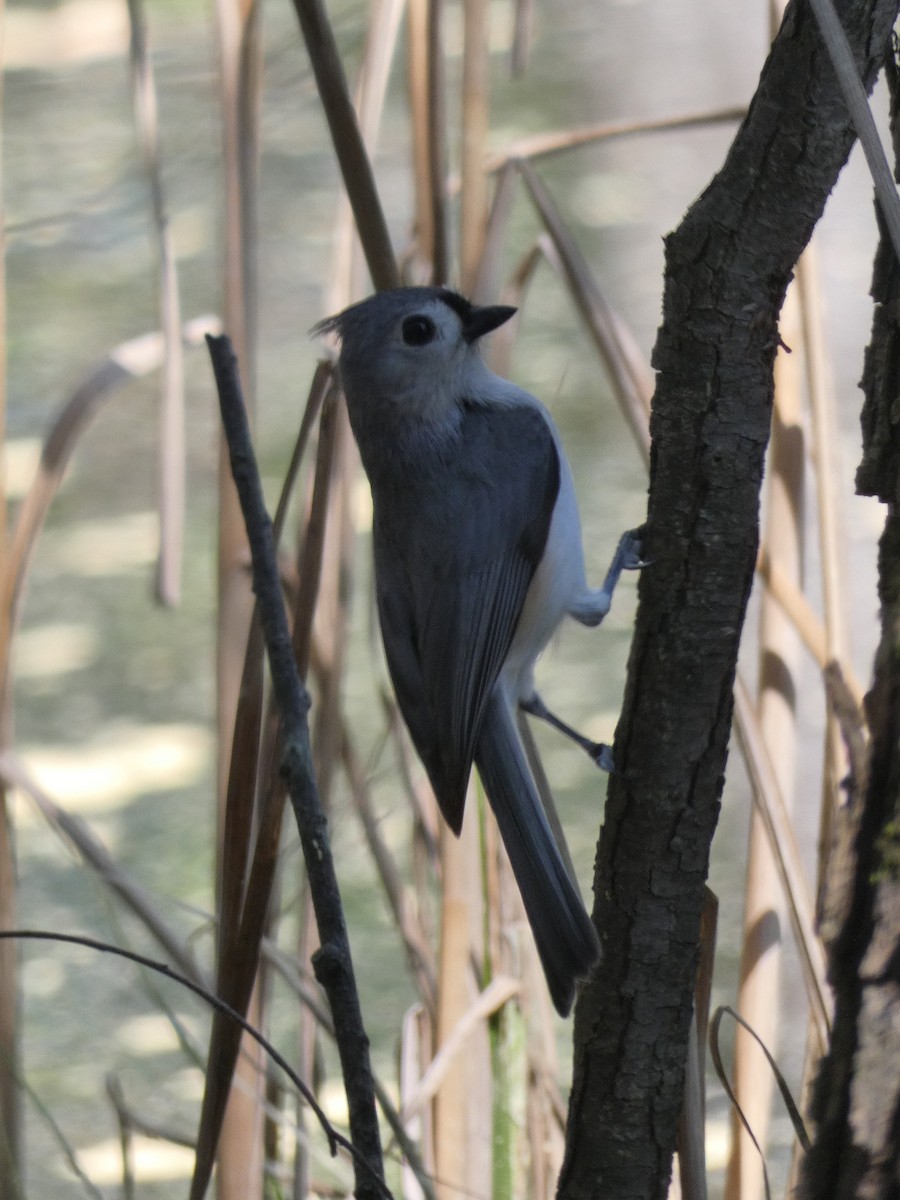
(856, 1100)
(727, 268)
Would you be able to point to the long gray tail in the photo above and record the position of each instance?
(565, 936)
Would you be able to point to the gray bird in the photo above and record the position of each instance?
(478, 557)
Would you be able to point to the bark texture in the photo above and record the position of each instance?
(856, 1100)
(727, 268)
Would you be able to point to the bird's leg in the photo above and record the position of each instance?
(592, 606)
(598, 752)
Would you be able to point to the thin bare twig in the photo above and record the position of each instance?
(767, 796)
(542, 145)
(333, 961)
(861, 115)
(335, 1139)
(77, 832)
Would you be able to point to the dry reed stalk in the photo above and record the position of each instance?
(523, 27)
(486, 283)
(78, 834)
(630, 383)
(418, 949)
(345, 277)
(172, 421)
(313, 534)
(823, 420)
(807, 623)
(417, 17)
(348, 143)
(420, 796)
(240, 59)
(461, 1110)
(9, 978)
(133, 359)
(475, 109)
(321, 617)
(426, 103)
(764, 910)
(334, 968)
(484, 1005)
(437, 139)
(416, 1050)
(332, 612)
(322, 605)
(542, 145)
(767, 796)
(252, 818)
(690, 1180)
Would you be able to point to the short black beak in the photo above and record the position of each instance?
(482, 320)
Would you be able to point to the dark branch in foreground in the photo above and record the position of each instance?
(727, 268)
(332, 962)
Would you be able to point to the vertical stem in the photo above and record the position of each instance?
(172, 435)
(437, 139)
(823, 423)
(9, 1042)
(473, 205)
(241, 1149)
(417, 20)
(462, 1106)
(764, 910)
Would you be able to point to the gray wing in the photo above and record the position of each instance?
(455, 553)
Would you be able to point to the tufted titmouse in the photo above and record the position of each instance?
(478, 557)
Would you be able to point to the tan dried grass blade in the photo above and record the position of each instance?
(371, 88)
(172, 465)
(823, 421)
(475, 107)
(542, 145)
(486, 283)
(498, 992)
(426, 102)
(349, 147)
(523, 27)
(779, 1079)
(462, 1105)
(131, 360)
(418, 949)
(779, 652)
(78, 833)
(415, 1050)
(631, 389)
(767, 796)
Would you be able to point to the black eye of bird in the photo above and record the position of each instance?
(418, 331)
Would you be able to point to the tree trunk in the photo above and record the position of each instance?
(727, 268)
(856, 1099)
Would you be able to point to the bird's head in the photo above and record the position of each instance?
(412, 353)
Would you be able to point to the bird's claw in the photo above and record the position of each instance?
(602, 756)
(631, 548)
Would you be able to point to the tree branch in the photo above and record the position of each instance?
(727, 268)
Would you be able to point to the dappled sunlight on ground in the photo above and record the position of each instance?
(106, 546)
(54, 649)
(121, 763)
(152, 1160)
(75, 32)
(21, 457)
